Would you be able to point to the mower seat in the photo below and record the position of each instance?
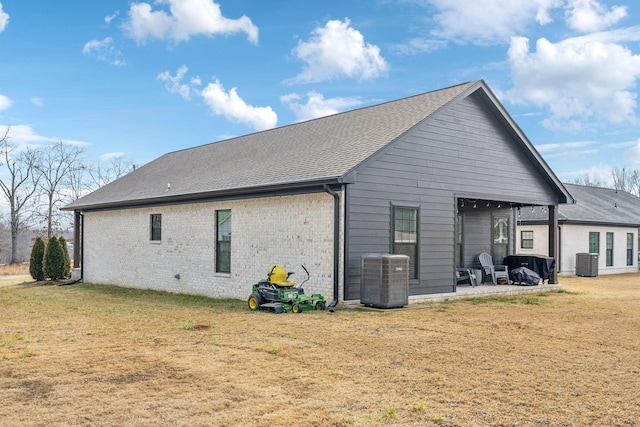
(278, 276)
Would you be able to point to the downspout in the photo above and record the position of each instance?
(336, 245)
(81, 249)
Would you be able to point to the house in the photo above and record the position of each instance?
(436, 176)
(602, 221)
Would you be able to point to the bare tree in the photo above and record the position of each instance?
(627, 180)
(56, 163)
(76, 183)
(588, 180)
(19, 186)
(102, 174)
(120, 166)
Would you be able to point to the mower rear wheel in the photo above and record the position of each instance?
(255, 301)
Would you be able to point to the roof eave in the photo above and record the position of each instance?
(315, 185)
(582, 222)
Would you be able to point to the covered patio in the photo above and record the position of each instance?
(489, 225)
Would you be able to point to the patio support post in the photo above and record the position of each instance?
(553, 241)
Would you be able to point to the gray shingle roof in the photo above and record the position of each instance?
(315, 150)
(594, 205)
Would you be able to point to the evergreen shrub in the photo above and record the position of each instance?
(36, 259)
(53, 267)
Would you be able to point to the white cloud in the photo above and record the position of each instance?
(338, 50)
(25, 135)
(231, 106)
(317, 106)
(488, 21)
(590, 15)
(38, 102)
(581, 80)
(104, 50)
(174, 83)
(222, 103)
(419, 45)
(108, 19)
(5, 102)
(113, 155)
(4, 19)
(600, 174)
(633, 154)
(187, 18)
(565, 147)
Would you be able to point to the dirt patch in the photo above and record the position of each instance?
(87, 355)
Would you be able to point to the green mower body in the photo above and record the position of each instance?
(281, 296)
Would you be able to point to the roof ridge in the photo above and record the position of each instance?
(470, 82)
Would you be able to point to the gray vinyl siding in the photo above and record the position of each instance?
(463, 151)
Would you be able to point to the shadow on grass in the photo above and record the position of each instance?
(160, 297)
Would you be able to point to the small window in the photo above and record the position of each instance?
(405, 236)
(594, 242)
(526, 239)
(223, 241)
(629, 248)
(609, 253)
(156, 227)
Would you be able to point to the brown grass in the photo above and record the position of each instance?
(14, 269)
(103, 356)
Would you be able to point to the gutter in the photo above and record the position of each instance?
(316, 185)
(336, 246)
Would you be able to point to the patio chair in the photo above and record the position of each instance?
(466, 276)
(495, 272)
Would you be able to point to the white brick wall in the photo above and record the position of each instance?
(287, 230)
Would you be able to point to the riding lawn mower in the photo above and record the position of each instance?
(281, 295)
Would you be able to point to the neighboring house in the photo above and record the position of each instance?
(436, 176)
(604, 221)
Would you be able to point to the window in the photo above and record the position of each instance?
(459, 234)
(405, 236)
(609, 253)
(594, 242)
(526, 239)
(223, 241)
(629, 248)
(156, 227)
(500, 239)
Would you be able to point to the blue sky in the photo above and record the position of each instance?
(139, 79)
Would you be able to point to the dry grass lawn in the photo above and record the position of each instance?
(104, 356)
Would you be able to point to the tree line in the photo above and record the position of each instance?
(624, 179)
(36, 181)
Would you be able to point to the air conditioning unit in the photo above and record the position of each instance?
(384, 280)
(587, 264)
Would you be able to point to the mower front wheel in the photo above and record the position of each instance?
(255, 301)
(321, 305)
(297, 308)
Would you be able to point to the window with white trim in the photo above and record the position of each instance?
(526, 239)
(405, 236)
